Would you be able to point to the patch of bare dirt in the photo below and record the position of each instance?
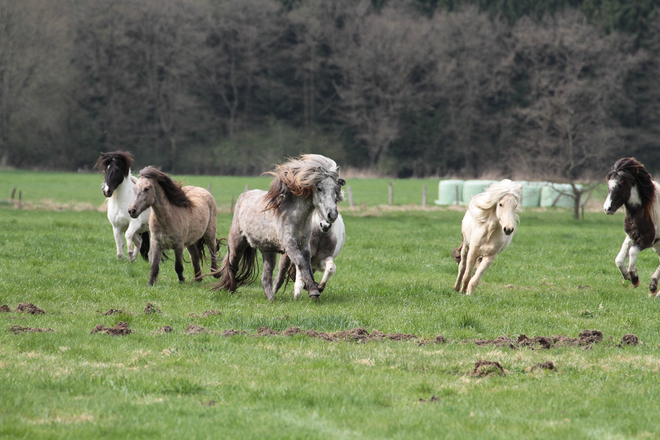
(5, 309)
(544, 366)
(433, 398)
(16, 329)
(150, 309)
(117, 311)
(231, 332)
(484, 368)
(29, 308)
(357, 334)
(501, 341)
(193, 329)
(629, 340)
(210, 403)
(120, 329)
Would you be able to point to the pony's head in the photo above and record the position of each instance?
(310, 176)
(116, 165)
(502, 198)
(628, 183)
(146, 190)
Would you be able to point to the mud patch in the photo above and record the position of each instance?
(29, 308)
(16, 329)
(357, 334)
(193, 329)
(5, 309)
(438, 340)
(433, 398)
(121, 329)
(484, 368)
(550, 366)
(116, 312)
(150, 309)
(501, 341)
(585, 338)
(629, 340)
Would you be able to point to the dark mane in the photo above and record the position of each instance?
(123, 159)
(632, 172)
(172, 189)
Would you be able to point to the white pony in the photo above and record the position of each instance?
(118, 188)
(325, 244)
(488, 227)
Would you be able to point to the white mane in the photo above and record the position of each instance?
(484, 203)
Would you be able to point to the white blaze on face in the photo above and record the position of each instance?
(608, 201)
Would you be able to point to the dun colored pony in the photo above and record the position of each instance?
(630, 185)
(326, 243)
(488, 227)
(180, 217)
(279, 221)
(118, 188)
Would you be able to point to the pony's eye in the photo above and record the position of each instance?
(319, 189)
(500, 204)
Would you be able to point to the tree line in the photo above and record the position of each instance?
(417, 88)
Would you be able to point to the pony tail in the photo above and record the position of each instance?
(456, 253)
(234, 277)
(145, 246)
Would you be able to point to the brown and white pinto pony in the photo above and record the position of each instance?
(180, 217)
(488, 227)
(279, 221)
(630, 185)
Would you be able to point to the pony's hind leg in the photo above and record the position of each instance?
(178, 264)
(194, 257)
(481, 268)
(156, 255)
(461, 267)
(471, 260)
(269, 258)
(282, 271)
(653, 287)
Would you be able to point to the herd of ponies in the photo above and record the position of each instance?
(298, 219)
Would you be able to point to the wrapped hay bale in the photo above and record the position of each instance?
(473, 187)
(448, 190)
(532, 193)
(558, 195)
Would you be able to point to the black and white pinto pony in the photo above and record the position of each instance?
(630, 185)
(279, 221)
(326, 243)
(488, 227)
(118, 188)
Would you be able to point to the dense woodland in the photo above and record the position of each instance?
(523, 88)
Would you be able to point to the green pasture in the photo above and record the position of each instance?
(395, 275)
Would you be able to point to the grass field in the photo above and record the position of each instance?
(395, 275)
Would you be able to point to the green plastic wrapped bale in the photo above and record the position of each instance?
(447, 192)
(556, 195)
(531, 195)
(473, 187)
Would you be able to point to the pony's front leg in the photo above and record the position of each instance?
(270, 258)
(298, 286)
(622, 256)
(282, 271)
(461, 266)
(632, 261)
(330, 269)
(301, 257)
(119, 241)
(178, 263)
(156, 255)
(469, 268)
(483, 266)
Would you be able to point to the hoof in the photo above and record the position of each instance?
(321, 289)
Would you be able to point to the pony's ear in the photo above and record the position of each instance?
(341, 182)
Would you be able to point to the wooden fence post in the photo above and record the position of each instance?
(424, 196)
(350, 196)
(391, 194)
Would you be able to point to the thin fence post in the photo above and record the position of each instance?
(13, 192)
(209, 187)
(457, 196)
(231, 207)
(350, 196)
(20, 199)
(424, 196)
(391, 194)
(247, 188)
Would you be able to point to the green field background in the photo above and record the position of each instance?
(394, 275)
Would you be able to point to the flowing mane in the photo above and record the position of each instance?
(631, 172)
(299, 177)
(172, 189)
(483, 204)
(124, 160)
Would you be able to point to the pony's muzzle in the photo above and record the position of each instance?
(508, 231)
(133, 212)
(325, 227)
(332, 216)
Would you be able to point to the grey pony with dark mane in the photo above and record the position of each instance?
(279, 221)
(631, 186)
(180, 217)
